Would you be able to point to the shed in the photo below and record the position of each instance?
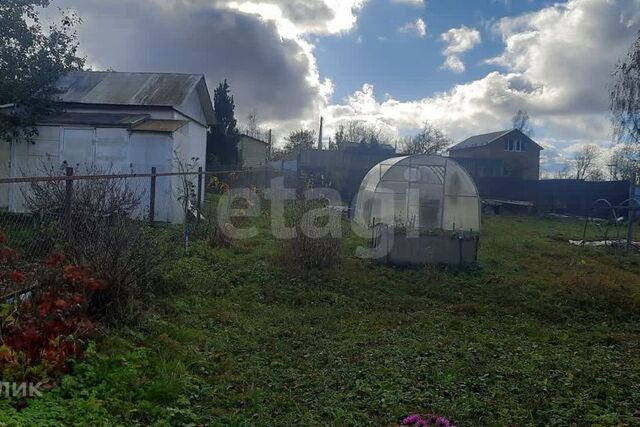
(118, 123)
(253, 152)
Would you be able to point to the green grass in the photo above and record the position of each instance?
(542, 333)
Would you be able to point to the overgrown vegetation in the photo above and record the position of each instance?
(95, 227)
(44, 326)
(542, 333)
(306, 250)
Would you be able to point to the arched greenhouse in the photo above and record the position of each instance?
(419, 192)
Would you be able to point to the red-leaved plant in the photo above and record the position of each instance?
(46, 325)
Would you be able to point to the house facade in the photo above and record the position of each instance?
(252, 152)
(506, 154)
(115, 122)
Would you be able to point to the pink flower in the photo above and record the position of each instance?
(411, 420)
(442, 422)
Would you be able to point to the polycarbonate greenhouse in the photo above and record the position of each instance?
(419, 192)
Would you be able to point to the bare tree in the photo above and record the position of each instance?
(625, 97)
(253, 128)
(359, 132)
(585, 161)
(624, 161)
(564, 172)
(596, 174)
(522, 122)
(430, 140)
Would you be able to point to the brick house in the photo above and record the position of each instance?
(508, 153)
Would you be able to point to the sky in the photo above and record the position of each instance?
(466, 66)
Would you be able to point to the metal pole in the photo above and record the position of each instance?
(68, 198)
(152, 194)
(320, 145)
(199, 207)
(632, 209)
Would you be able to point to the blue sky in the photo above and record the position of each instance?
(405, 65)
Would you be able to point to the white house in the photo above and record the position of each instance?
(121, 123)
(253, 152)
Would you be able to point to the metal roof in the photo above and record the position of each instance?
(488, 138)
(153, 89)
(134, 89)
(480, 140)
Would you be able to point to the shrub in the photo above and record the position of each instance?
(129, 256)
(208, 229)
(103, 235)
(91, 199)
(216, 186)
(305, 251)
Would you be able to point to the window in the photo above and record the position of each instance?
(515, 145)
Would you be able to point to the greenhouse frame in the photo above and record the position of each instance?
(419, 192)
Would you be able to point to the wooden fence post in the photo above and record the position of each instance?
(152, 198)
(199, 207)
(68, 200)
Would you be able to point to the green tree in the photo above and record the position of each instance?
(299, 140)
(223, 140)
(32, 59)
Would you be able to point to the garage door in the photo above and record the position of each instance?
(78, 148)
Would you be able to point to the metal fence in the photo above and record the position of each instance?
(574, 197)
(37, 213)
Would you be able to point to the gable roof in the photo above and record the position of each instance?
(134, 89)
(486, 139)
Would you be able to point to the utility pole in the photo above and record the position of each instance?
(320, 133)
(270, 153)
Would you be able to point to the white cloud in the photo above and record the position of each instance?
(454, 63)
(296, 17)
(459, 41)
(263, 47)
(416, 3)
(556, 64)
(419, 28)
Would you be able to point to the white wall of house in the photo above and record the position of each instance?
(187, 151)
(253, 154)
(107, 150)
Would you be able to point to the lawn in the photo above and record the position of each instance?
(541, 333)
